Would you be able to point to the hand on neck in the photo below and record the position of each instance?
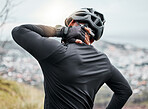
(87, 37)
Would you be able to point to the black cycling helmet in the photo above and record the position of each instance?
(94, 19)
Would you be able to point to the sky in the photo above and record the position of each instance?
(126, 20)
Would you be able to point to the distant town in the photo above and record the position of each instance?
(16, 64)
(130, 60)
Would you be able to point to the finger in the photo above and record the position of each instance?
(72, 40)
(87, 29)
(82, 37)
(87, 39)
(82, 32)
(78, 41)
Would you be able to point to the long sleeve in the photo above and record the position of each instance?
(122, 90)
(33, 38)
(48, 31)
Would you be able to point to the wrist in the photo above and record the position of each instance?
(61, 31)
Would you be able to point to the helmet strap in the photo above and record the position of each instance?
(70, 24)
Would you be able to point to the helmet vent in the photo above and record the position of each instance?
(96, 13)
(81, 14)
(93, 18)
(90, 10)
(81, 11)
(102, 18)
(99, 24)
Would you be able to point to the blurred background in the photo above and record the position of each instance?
(125, 41)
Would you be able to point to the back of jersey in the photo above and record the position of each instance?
(80, 70)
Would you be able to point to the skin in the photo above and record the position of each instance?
(87, 37)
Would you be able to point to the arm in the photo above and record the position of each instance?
(119, 85)
(46, 31)
(33, 38)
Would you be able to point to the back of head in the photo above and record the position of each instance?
(93, 18)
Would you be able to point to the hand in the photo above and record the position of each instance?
(74, 32)
(77, 34)
(87, 40)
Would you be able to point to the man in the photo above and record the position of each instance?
(73, 70)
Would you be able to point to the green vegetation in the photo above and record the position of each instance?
(15, 95)
(103, 97)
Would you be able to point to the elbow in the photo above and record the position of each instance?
(14, 31)
(127, 92)
(17, 32)
(130, 92)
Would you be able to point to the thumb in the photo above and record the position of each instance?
(78, 41)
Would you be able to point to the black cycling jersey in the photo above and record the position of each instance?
(73, 73)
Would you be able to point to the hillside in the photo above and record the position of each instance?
(15, 95)
(17, 65)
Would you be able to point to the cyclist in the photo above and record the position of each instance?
(73, 70)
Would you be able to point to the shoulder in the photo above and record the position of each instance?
(102, 55)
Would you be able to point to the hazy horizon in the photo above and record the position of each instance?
(126, 21)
